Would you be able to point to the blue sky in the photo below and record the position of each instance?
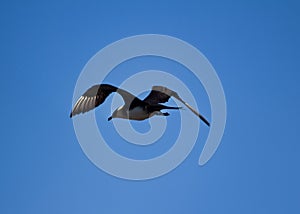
(254, 47)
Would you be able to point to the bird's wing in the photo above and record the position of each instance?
(161, 94)
(96, 95)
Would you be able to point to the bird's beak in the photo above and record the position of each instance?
(109, 118)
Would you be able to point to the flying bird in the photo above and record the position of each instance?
(134, 108)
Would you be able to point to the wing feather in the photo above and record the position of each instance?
(161, 94)
(96, 95)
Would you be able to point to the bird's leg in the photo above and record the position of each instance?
(159, 113)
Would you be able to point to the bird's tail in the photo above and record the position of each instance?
(159, 107)
(170, 107)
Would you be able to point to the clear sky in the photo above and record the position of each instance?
(253, 46)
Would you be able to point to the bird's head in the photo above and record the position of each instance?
(119, 113)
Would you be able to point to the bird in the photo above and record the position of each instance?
(133, 108)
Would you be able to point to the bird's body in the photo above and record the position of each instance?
(137, 113)
(140, 112)
(134, 108)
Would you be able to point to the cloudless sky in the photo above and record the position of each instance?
(253, 46)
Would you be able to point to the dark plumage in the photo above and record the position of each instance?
(134, 108)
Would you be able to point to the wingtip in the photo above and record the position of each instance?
(207, 123)
(204, 120)
(71, 115)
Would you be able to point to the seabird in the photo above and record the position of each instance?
(134, 108)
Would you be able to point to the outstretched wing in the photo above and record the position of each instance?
(96, 95)
(160, 94)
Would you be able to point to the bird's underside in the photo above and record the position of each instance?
(134, 108)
